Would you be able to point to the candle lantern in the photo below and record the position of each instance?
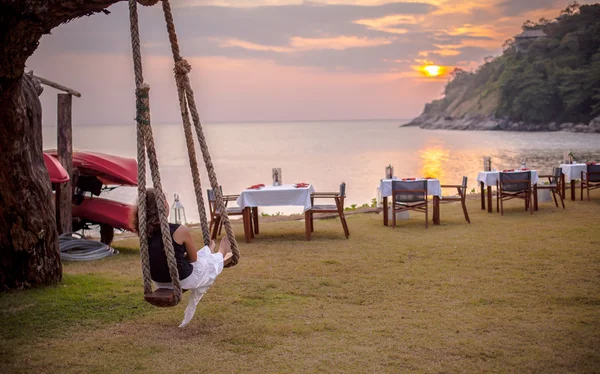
(487, 164)
(178, 211)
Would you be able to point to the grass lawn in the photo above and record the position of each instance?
(512, 293)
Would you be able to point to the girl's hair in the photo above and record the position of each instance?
(152, 219)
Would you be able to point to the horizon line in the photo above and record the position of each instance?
(249, 121)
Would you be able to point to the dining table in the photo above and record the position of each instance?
(434, 189)
(488, 179)
(283, 195)
(571, 172)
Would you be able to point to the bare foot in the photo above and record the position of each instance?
(225, 246)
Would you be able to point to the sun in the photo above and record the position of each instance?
(432, 70)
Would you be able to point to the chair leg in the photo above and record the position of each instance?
(562, 200)
(307, 225)
(588, 191)
(498, 200)
(554, 197)
(530, 202)
(464, 206)
(345, 225)
(501, 205)
(312, 222)
(216, 227)
(581, 184)
(394, 215)
(343, 221)
(426, 215)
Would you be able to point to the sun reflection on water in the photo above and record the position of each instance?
(432, 160)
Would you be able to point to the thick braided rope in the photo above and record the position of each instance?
(145, 132)
(189, 140)
(141, 161)
(183, 66)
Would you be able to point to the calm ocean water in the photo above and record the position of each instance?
(327, 153)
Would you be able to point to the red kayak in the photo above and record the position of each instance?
(102, 211)
(93, 172)
(109, 169)
(56, 171)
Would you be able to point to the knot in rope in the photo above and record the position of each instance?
(182, 67)
(148, 2)
(142, 111)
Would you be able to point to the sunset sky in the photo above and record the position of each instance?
(268, 60)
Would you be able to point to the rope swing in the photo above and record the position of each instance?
(145, 148)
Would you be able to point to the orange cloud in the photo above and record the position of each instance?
(298, 44)
(387, 23)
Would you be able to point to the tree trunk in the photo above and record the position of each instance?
(29, 246)
(29, 254)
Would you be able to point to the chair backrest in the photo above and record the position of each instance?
(556, 175)
(464, 183)
(593, 173)
(515, 182)
(418, 188)
(343, 190)
(212, 200)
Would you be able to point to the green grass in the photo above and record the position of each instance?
(516, 293)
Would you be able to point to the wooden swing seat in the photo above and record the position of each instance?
(165, 297)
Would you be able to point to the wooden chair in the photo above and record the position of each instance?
(514, 186)
(462, 196)
(555, 186)
(409, 195)
(215, 216)
(338, 208)
(590, 179)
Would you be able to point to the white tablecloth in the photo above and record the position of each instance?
(276, 196)
(489, 178)
(573, 171)
(433, 187)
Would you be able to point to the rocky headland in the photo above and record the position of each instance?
(547, 79)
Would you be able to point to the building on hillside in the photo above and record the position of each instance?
(526, 36)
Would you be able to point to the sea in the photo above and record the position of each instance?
(327, 153)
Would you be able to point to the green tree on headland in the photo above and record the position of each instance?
(550, 73)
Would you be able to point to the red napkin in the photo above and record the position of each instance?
(255, 187)
(507, 170)
(301, 185)
(591, 163)
(524, 169)
(408, 179)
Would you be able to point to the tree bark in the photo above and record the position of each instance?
(29, 254)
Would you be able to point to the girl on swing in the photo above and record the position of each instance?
(197, 269)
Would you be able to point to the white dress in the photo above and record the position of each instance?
(205, 271)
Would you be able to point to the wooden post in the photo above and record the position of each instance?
(64, 191)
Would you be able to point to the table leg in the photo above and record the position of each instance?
(307, 228)
(535, 197)
(246, 218)
(385, 211)
(436, 210)
(255, 219)
(573, 189)
(482, 196)
(489, 196)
